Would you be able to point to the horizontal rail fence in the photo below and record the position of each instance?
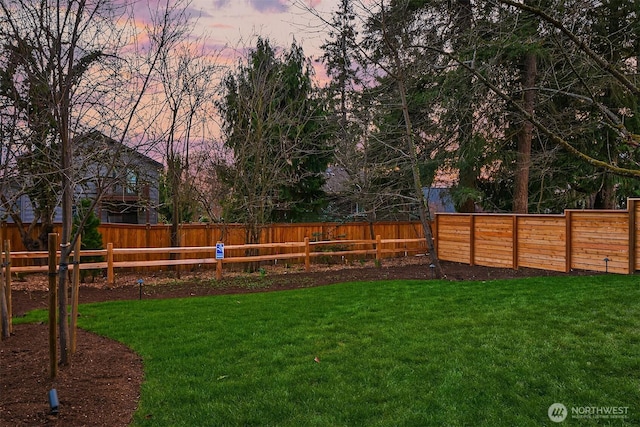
(233, 236)
(594, 240)
(206, 255)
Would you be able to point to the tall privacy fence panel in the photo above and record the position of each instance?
(595, 240)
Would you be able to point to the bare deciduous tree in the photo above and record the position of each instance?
(187, 79)
(81, 66)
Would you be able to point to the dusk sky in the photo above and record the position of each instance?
(236, 23)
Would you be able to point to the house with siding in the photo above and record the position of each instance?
(126, 179)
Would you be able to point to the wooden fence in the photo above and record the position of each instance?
(601, 240)
(158, 235)
(146, 247)
(206, 255)
(592, 240)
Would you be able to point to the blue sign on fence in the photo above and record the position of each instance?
(219, 250)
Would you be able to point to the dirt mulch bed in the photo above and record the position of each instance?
(102, 386)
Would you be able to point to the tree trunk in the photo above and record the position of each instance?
(175, 221)
(467, 174)
(173, 173)
(423, 206)
(605, 198)
(65, 249)
(525, 136)
(4, 310)
(65, 243)
(419, 194)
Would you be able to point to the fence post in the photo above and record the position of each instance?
(218, 269)
(436, 235)
(514, 241)
(7, 281)
(4, 310)
(53, 297)
(472, 239)
(567, 238)
(75, 289)
(147, 239)
(378, 248)
(631, 209)
(307, 255)
(110, 276)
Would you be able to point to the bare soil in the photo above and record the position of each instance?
(102, 385)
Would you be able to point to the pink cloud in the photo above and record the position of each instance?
(222, 26)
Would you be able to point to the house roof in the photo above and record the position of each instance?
(115, 146)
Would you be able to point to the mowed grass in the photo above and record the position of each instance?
(393, 353)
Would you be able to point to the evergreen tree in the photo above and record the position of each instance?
(577, 100)
(275, 125)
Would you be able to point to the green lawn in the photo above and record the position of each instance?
(395, 353)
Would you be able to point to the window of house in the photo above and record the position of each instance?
(131, 186)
